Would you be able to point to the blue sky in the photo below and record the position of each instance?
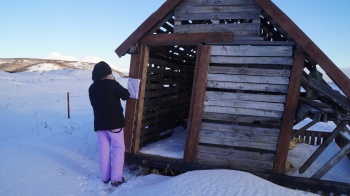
(79, 28)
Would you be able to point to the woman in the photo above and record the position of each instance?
(105, 94)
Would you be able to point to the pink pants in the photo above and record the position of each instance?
(111, 155)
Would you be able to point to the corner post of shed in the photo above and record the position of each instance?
(197, 102)
(138, 65)
(289, 110)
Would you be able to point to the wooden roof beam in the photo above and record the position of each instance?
(146, 26)
(307, 44)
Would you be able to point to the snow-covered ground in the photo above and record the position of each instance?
(45, 153)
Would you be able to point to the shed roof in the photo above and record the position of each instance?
(158, 22)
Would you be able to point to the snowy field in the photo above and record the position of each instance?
(45, 153)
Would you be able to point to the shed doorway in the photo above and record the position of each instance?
(167, 98)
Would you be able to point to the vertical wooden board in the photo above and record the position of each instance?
(197, 102)
(144, 55)
(131, 105)
(289, 111)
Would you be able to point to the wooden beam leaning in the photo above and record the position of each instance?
(197, 102)
(289, 111)
(332, 162)
(322, 147)
(307, 44)
(144, 56)
(146, 26)
(187, 38)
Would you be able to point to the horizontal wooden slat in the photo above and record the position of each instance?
(232, 118)
(252, 60)
(246, 104)
(249, 71)
(234, 161)
(237, 143)
(248, 79)
(243, 111)
(186, 3)
(238, 136)
(242, 29)
(186, 38)
(273, 132)
(281, 51)
(245, 96)
(219, 16)
(215, 9)
(217, 12)
(229, 152)
(247, 86)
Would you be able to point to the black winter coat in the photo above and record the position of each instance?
(105, 98)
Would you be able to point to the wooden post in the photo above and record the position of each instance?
(289, 111)
(68, 105)
(144, 56)
(197, 102)
(131, 104)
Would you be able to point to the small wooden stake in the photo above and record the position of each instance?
(68, 105)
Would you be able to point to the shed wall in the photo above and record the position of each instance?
(244, 105)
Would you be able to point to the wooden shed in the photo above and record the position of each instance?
(234, 71)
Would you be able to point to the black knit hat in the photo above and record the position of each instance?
(101, 69)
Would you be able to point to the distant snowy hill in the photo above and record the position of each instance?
(14, 65)
(88, 59)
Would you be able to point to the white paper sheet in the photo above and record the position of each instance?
(133, 87)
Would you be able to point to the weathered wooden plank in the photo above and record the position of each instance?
(218, 164)
(249, 71)
(218, 16)
(237, 161)
(248, 50)
(245, 96)
(289, 112)
(248, 79)
(144, 54)
(242, 29)
(246, 104)
(232, 118)
(197, 100)
(158, 62)
(230, 152)
(130, 110)
(186, 38)
(186, 3)
(271, 132)
(248, 86)
(330, 93)
(216, 9)
(307, 44)
(237, 143)
(146, 26)
(252, 60)
(217, 12)
(243, 111)
(238, 136)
